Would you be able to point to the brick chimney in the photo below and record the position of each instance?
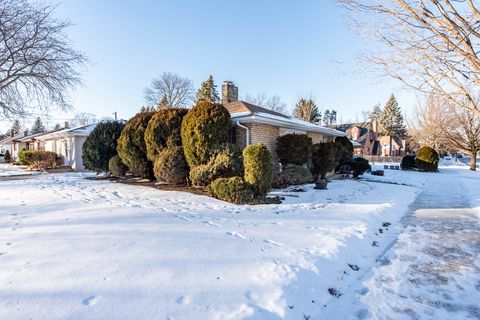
(229, 92)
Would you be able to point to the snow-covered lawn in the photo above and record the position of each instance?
(72, 248)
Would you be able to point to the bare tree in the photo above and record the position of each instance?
(38, 66)
(429, 45)
(273, 103)
(170, 89)
(83, 119)
(442, 125)
(425, 125)
(462, 132)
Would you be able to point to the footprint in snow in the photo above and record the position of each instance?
(235, 234)
(90, 301)
(278, 244)
(182, 218)
(210, 223)
(184, 300)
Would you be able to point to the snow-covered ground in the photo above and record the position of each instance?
(72, 248)
(7, 170)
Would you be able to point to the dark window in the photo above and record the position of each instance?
(232, 135)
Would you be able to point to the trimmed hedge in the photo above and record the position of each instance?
(427, 159)
(293, 149)
(101, 145)
(116, 167)
(408, 162)
(38, 159)
(164, 126)
(324, 159)
(227, 162)
(233, 189)
(204, 129)
(292, 175)
(171, 166)
(131, 146)
(257, 162)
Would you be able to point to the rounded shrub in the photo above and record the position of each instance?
(408, 162)
(204, 129)
(170, 166)
(116, 167)
(343, 151)
(324, 159)
(233, 189)
(165, 125)
(257, 162)
(293, 149)
(226, 162)
(7, 157)
(292, 175)
(427, 159)
(359, 166)
(101, 145)
(131, 146)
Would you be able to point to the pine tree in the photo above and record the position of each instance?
(376, 113)
(326, 116)
(146, 109)
(307, 110)
(391, 121)
(16, 127)
(38, 126)
(208, 91)
(57, 126)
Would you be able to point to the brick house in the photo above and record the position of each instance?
(253, 124)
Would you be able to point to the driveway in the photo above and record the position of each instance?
(433, 271)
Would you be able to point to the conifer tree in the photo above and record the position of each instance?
(57, 127)
(376, 113)
(163, 104)
(208, 91)
(16, 127)
(38, 126)
(307, 110)
(391, 121)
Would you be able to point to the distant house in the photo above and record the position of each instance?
(368, 141)
(252, 124)
(68, 143)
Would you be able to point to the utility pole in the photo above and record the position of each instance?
(115, 113)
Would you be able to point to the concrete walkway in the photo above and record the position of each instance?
(433, 272)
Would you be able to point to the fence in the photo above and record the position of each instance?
(383, 159)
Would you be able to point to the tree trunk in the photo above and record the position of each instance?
(390, 152)
(473, 161)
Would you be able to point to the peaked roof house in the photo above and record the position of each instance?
(68, 143)
(367, 140)
(253, 124)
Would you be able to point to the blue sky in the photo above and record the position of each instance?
(287, 48)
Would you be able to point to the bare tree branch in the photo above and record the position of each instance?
(429, 45)
(38, 66)
(175, 91)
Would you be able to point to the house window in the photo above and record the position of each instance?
(232, 135)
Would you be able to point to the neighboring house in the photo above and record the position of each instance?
(253, 124)
(7, 144)
(68, 143)
(368, 141)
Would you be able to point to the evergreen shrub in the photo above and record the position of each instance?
(427, 159)
(257, 162)
(116, 167)
(131, 145)
(293, 149)
(204, 129)
(101, 145)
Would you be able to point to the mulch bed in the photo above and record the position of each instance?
(152, 184)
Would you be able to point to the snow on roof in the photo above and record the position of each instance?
(287, 121)
(76, 131)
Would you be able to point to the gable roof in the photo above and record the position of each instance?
(250, 113)
(81, 131)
